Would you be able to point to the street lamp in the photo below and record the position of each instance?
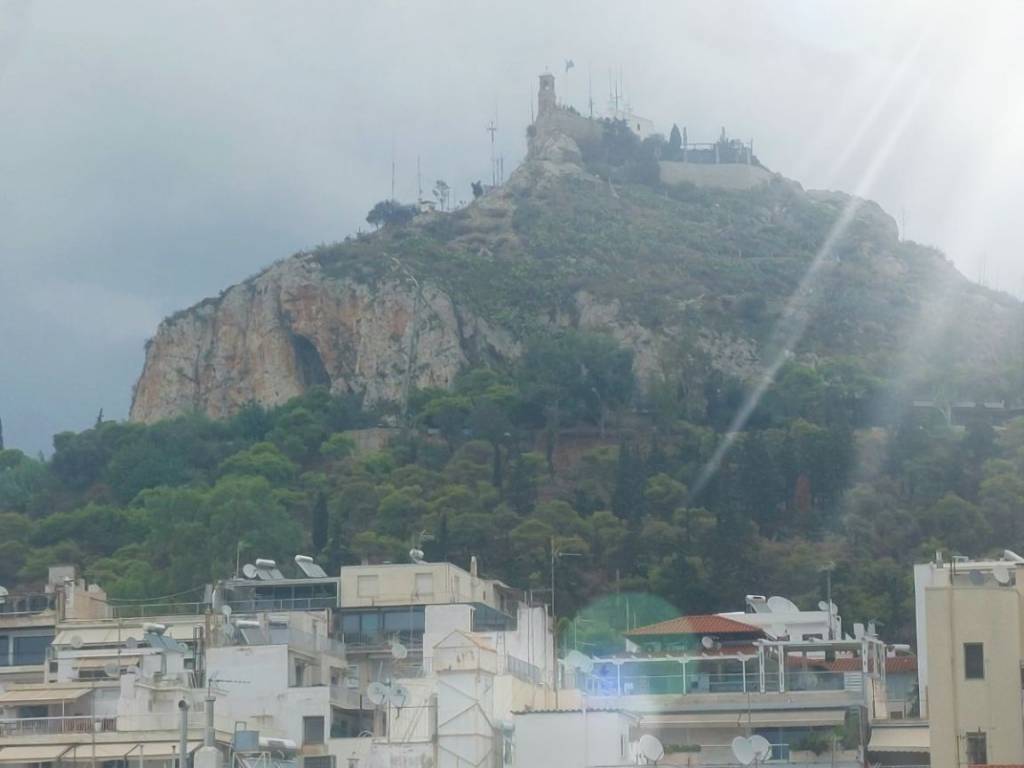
(555, 556)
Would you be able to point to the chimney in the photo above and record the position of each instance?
(474, 569)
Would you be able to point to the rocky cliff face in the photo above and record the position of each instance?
(293, 327)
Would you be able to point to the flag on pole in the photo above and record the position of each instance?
(569, 64)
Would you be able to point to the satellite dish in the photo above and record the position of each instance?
(377, 693)
(112, 669)
(416, 555)
(782, 605)
(743, 750)
(3, 594)
(1001, 574)
(226, 610)
(707, 643)
(579, 662)
(650, 748)
(399, 651)
(75, 641)
(131, 643)
(398, 696)
(762, 748)
(977, 578)
(822, 605)
(249, 571)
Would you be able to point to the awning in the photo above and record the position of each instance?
(900, 739)
(767, 719)
(40, 696)
(157, 750)
(44, 753)
(99, 662)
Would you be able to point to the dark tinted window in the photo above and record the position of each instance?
(974, 661)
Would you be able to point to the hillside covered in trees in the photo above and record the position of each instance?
(161, 509)
(583, 298)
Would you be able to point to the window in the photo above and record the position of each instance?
(424, 584)
(977, 748)
(974, 661)
(313, 730)
(320, 761)
(31, 650)
(367, 586)
(5, 659)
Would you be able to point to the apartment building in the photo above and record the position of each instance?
(971, 654)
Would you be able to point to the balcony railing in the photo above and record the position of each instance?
(261, 604)
(523, 670)
(41, 726)
(22, 605)
(87, 724)
(144, 610)
(609, 682)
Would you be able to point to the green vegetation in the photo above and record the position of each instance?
(156, 510)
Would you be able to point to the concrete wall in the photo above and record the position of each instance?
(572, 739)
(974, 614)
(262, 697)
(560, 120)
(397, 585)
(531, 641)
(723, 176)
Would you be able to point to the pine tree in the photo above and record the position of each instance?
(675, 142)
(319, 522)
(628, 496)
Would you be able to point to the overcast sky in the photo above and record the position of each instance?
(153, 153)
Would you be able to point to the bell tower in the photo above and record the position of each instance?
(546, 94)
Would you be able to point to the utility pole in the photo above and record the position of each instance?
(556, 555)
(828, 568)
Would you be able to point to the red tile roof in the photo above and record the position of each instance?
(708, 624)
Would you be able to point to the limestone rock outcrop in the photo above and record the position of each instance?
(292, 327)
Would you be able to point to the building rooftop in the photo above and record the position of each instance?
(704, 624)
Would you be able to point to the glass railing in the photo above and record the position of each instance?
(611, 682)
(27, 604)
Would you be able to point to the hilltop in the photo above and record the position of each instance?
(587, 234)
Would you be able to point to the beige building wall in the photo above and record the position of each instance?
(957, 706)
(366, 586)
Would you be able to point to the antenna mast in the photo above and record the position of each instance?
(492, 128)
(590, 90)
